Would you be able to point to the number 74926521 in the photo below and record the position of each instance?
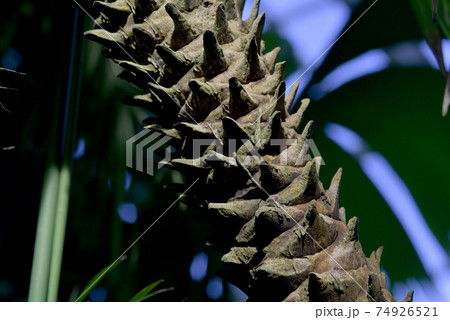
(410, 311)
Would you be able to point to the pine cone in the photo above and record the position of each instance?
(206, 76)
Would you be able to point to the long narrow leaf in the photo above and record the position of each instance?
(97, 278)
(154, 294)
(68, 134)
(12, 71)
(44, 234)
(141, 294)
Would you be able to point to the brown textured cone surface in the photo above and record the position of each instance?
(206, 76)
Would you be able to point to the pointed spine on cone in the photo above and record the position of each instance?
(304, 239)
(221, 27)
(143, 41)
(375, 260)
(144, 8)
(308, 131)
(256, 31)
(166, 96)
(273, 220)
(274, 177)
(239, 256)
(279, 103)
(321, 288)
(274, 129)
(375, 291)
(279, 70)
(233, 131)
(240, 209)
(352, 230)
(273, 81)
(409, 296)
(183, 32)
(294, 120)
(213, 61)
(281, 275)
(176, 64)
(203, 100)
(271, 58)
(291, 97)
(240, 102)
(252, 66)
(297, 154)
(253, 14)
(333, 194)
(142, 71)
(302, 189)
(273, 135)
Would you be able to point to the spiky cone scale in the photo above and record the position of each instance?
(283, 235)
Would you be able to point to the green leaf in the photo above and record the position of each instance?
(154, 294)
(98, 277)
(144, 292)
(12, 71)
(385, 23)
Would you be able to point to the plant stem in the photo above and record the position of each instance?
(49, 245)
(62, 205)
(44, 235)
(67, 145)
